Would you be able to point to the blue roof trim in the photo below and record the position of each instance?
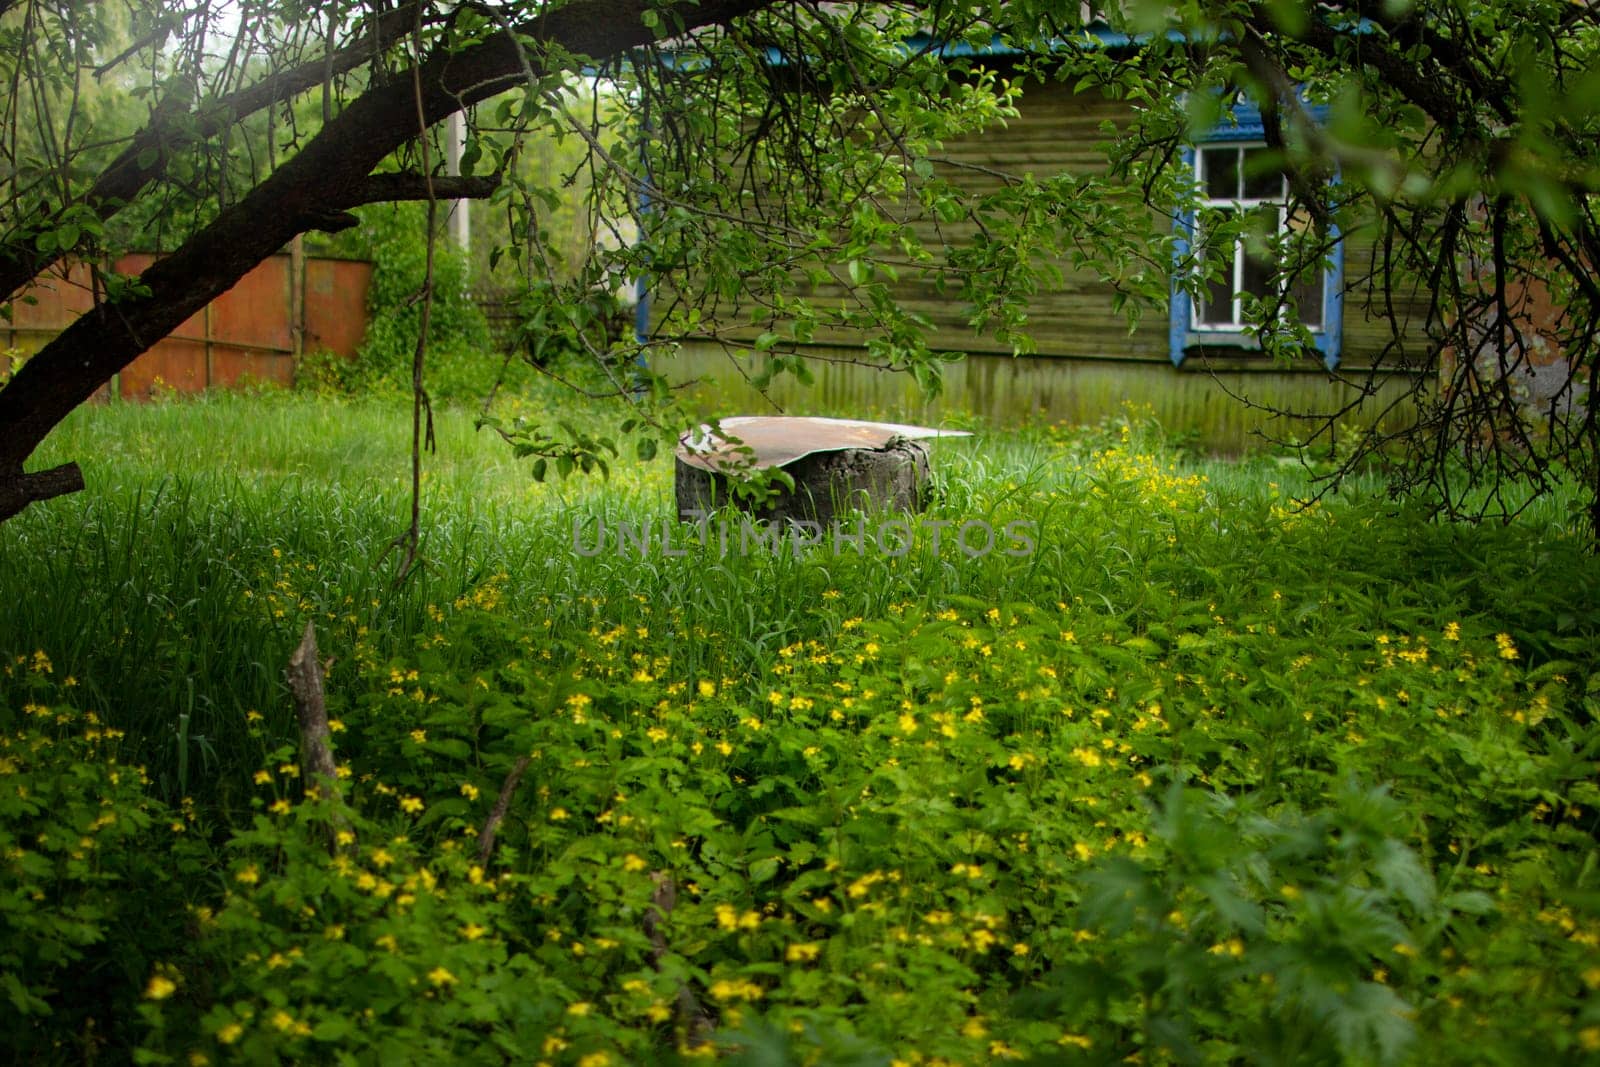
(1245, 122)
(1091, 37)
(1096, 36)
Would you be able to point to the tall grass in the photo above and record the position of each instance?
(173, 590)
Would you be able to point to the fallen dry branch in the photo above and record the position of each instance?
(692, 1015)
(502, 804)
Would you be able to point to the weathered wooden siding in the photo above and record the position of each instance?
(1055, 132)
(1008, 390)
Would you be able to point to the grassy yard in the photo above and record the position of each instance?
(1203, 776)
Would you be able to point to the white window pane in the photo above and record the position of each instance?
(1219, 172)
(1308, 299)
(1260, 278)
(1216, 308)
(1251, 265)
(1263, 180)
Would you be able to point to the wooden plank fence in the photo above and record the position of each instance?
(256, 332)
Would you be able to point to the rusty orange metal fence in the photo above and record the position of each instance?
(256, 332)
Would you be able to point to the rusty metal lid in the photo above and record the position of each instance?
(746, 442)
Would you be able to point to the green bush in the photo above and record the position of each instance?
(461, 362)
(94, 884)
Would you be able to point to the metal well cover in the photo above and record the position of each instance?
(776, 440)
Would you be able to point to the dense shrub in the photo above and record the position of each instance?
(95, 876)
(462, 361)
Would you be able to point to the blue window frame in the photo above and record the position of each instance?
(1229, 179)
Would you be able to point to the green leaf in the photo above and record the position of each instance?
(1404, 875)
(1290, 16)
(1469, 902)
(1373, 1025)
(332, 1028)
(453, 747)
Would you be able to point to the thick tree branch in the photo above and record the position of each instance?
(386, 188)
(383, 188)
(18, 489)
(1398, 70)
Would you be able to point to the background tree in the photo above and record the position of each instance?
(771, 150)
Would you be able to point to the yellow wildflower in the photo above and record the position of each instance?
(160, 988)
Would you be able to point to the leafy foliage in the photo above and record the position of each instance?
(84, 847)
(461, 363)
(1328, 800)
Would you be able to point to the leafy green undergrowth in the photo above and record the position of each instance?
(1202, 777)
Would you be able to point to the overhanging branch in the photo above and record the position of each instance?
(382, 188)
(173, 127)
(335, 215)
(331, 170)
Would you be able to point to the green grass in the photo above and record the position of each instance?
(1191, 694)
(155, 588)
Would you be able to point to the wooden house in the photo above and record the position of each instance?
(1193, 367)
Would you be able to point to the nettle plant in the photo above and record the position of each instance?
(87, 854)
